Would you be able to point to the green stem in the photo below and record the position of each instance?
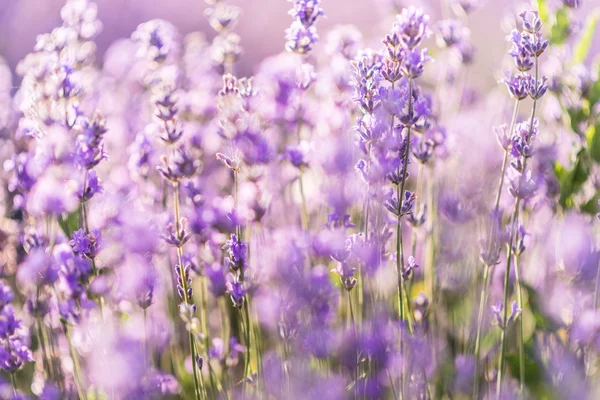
(514, 222)
(14, 383)
(76, 367)
(400, 195)
(186, 299)
(486, 268)
(521, 331)
(248, 343)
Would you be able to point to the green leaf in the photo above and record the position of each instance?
(594, 95)
(69, 223)
(560, 29)
(544, 10)
(542, 321)
(591, 206)
(572, 181)
(534, 372)
(585, 41)
(593, 139)
(577, 116)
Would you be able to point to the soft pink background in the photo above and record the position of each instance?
(262, 23)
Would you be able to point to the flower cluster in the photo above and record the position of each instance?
(302, 35)
(340, 225)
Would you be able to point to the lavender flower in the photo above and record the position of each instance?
(301, 36)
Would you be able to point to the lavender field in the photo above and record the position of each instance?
(364, 214)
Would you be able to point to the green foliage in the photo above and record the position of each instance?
(572, 180)
(544, 10)
(69, 223)
(542, 321)
(534, 373)
(594, 95)
(560, 28)
(582, 47)
(593, 140)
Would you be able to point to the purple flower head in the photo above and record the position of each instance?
(45, 200)
(411, 26)
(536, 89)
(157, 40)
(522, 57)
(184, 281)
(177, 236)
(236, 290)
(90, 147)
(451, 32)
(86, 244)
(296, 155)
(236, 253)
(572, 3)
(393, 45)
(424, 149)
(9, 323)
(465, 51)
(145, 290)
(522, 186)
(232, 162)
(159, 384)
(181, 165)
(531, 21)
(414, 63)
(391, 70)
(299, 38)
(498, 314)
(517, 85)
(6, 295)
(21, 167)
(346, 274)
(519, 245)
(418, 219)
(468, 6)
(166, 112)
(306, 11)
(366, 82)
(503, 136)
(92, 186)
(336, 220)
(409, 268)
(535, 44)
(222, 17)
(13, 354)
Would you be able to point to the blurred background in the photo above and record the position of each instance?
(263, 23)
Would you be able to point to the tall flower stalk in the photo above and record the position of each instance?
(530, 44)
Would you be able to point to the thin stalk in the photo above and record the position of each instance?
(392, 385)
(486, 268)
(353, 322)
(521, 331)
(514, 220)
(76, 367)
(505, 160)
(248, 344)
(399, 195)
(304, 211)
(146, 353)
(46, 358)
(14, 383)
(186, 299)
(204, 321)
